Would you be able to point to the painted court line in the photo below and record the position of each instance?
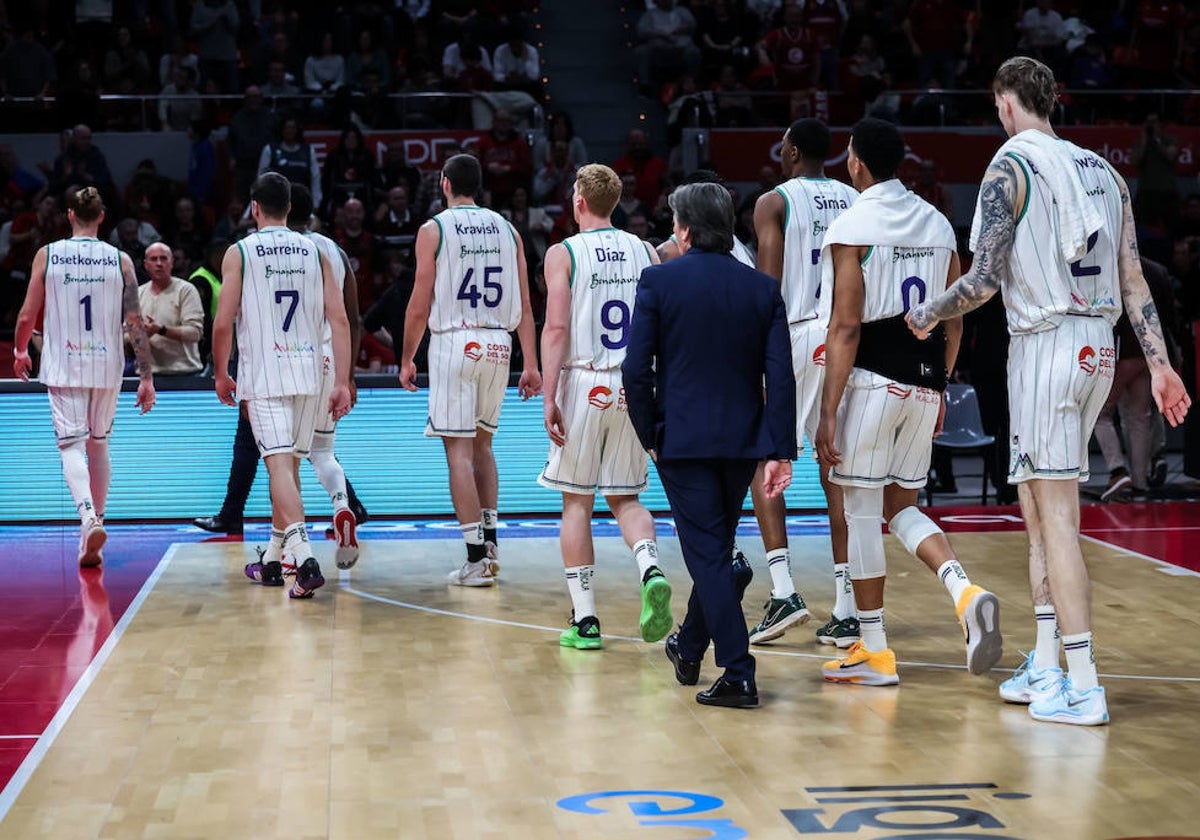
(1163, 565)
(19, 737)
(17, 783)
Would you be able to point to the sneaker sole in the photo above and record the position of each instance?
(345, 530)
(985, 645)
(780, 627)
(92, 548)
(1116, 489)
(581, 644)
(1023, 697)
(863, 679)
(1077, 720)
(474, 582)
(306, 590)
(655, 621)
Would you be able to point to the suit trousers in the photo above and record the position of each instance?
(706, 497)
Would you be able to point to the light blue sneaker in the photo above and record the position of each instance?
(1030, 684)
(1081, 708)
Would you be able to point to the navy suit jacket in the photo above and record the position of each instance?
(706, 330)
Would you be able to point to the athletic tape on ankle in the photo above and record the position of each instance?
(912, 527)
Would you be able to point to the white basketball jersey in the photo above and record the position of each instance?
(1042, 287)
(739, 251)
(477, 285)
(282, 315)
(812, 205)
(896, 279)
(333, 252)
(84, 346)
(606, 265)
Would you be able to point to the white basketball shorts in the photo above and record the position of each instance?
(82, 412)
(808, 362)
(325, 424)
(602, 451)
(884, 432)
(1058, 381)
(468, 375)
(284, 424)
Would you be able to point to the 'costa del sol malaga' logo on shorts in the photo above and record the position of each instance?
(473, 351)
(1087, 360)
(600, 397)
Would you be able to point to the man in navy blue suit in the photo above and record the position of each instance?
(706, 330)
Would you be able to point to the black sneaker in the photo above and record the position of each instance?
(268, 574)
(1158, 471)
(742, 573)
(308, 579)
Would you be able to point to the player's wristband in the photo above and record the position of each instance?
(162, 330)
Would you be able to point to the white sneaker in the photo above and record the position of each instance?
(1031, 685)
(92, 537)
(493, 557)
(1068, 705)
(479, 573)
(345, 530)
(979, 614)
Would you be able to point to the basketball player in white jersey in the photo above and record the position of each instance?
(881, 402)
(325, 464)
(280, 288)
(471, 291)
(790, 222)
(1054, 228)
(86, 288)
(591, 283)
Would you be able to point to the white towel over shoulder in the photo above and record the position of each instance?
(1054, 163)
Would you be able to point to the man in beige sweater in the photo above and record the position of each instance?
(173, 316)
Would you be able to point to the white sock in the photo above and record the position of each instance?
(579, 584)
(1045, 655)
(1081, 661)
(645, 554)
(274, 552)
(473, 533)
(329, 471)
(100, 471)
(781, 573)
(736, 551)
(843, 605)
(874, 635)
(953, 577)
(295, 542)
(75, 471)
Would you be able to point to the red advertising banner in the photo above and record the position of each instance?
(962, 154)
(422, 149)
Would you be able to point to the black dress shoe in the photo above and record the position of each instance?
(734, 694)
(688, 673)
(742, 573)
(217, 525)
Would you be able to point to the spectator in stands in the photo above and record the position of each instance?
(250, 131)
(1156, 155)
(788, 57)
(506, 158)
(1158, 33)
(735, 106)
(430, 200)
(186, 229)
(126, 60)
(26, 181)
(202, 162)
(278, 49)
(928, 185)
(1043, 34)
(560, 127)
(825, 20)
(646, 166)
(395, 171)
(133, 237)
(385, 318)
(367, 56)
(395, 223)
(234, 223)
(476, 73)
(725, 37)
(555, 180)
(324, 72)
(292, 158)
(181, 104)
(358, 244)
(690, 107)
(532, 223)
(936, 35)
(182, 262)
(349, 170)
(78, 97)
(172, 315)
(515, 66)
(26, 67)
(279, 88)
(214, 30)
(639, 225)
(629, 204)
(453, 63)
(83, 164)
(177, 56)
(206, 277)
(665, 44)
(861, 19)
(370, 107)
(30, 231)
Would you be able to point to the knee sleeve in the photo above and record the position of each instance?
(912, 528)
(75, 471)
(864, 543)
(329, 471)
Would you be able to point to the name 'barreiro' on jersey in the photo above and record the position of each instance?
(280, 250)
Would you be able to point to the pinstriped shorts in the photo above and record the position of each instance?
(284, 424)
(82, 412)
(468, 375)
(602, 451)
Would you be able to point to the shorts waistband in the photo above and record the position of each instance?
(467, 329)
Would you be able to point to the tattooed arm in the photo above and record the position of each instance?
(1002, 192)
(137, 335)
(1166, 386)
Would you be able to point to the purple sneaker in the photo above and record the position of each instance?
(308, 579)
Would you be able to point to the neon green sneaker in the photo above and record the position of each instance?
(583, 634)
(655, 621)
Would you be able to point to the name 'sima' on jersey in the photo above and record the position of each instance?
(812, 205)
(606, 265)
(84, 346)
(1042, 286)
(477, 284)
(282, 315)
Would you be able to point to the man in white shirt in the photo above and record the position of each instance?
(172, 314)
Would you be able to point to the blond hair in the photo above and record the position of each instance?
(87, 205)
(1031, 82)
(600, 187)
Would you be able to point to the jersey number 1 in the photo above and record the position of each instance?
(86, 303)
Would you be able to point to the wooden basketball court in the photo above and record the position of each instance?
(393, 705)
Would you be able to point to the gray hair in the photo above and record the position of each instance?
(706, 210)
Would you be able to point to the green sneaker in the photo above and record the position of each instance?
(842, 632)
(583, 634)
(781, 613)
(655, 621)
